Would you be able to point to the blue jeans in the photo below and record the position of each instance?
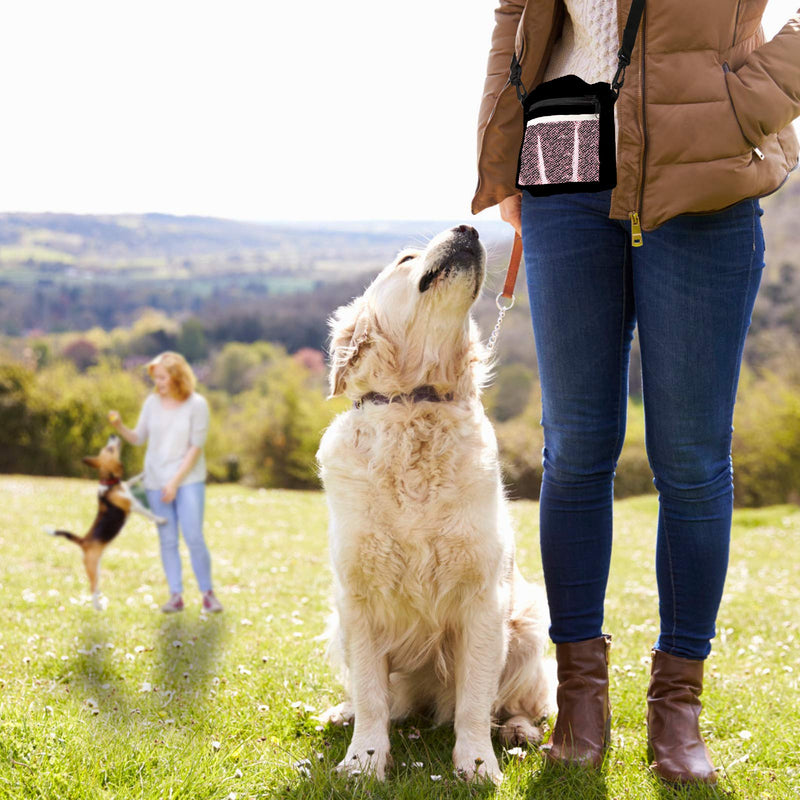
(186, 511)
(690, 291)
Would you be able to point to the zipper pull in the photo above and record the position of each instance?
(758, 153)
(636, 230)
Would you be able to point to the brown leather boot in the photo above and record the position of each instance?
(673, 730)
(583, 726)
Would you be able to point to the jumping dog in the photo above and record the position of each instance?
(115, 502)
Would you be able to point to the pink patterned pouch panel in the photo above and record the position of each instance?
(561, 149)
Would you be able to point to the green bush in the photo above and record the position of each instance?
(272, 431)
(766, 441)
(521, 441)
(268, 411)
(22, 421)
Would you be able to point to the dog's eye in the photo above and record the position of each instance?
(404, 259)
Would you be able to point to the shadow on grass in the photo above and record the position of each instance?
(188, 649)
(698, 791)
(422, 767)
(565, 783)
(183, 659)
(95, 672)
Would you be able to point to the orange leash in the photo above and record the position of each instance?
(508, 288)
(513, 268)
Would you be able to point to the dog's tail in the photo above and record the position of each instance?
(66, 534)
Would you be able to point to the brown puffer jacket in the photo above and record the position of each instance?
(704, 116)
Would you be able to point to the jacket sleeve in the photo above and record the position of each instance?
(765, 90)
(507, 16)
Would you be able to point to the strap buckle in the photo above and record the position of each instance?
(619, 76)
(515, 78)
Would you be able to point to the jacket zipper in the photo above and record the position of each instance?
(636, 230)
(736, 21)
(637, 240)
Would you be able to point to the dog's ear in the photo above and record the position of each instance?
(350, 336)
(91, 461)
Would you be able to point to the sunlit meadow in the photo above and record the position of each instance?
(130, 703)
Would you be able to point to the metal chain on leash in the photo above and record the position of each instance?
(508, 290)
(496, 332)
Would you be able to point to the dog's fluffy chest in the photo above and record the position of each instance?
(416, 509)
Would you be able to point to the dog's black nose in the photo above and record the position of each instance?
(468, 229)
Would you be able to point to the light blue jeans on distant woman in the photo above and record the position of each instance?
(185, 512)
(690, 290)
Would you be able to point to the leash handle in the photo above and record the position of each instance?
(513, 269)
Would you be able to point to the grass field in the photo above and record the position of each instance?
(129, 703)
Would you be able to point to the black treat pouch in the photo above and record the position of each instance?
(568, 144)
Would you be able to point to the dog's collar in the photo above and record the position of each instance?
(418, 395)
(111, 482)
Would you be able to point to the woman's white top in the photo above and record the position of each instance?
(589, 42)
(169, 433)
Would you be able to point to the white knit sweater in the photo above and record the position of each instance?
(589, 42)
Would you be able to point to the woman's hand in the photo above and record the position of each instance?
(169, 491)
(114, 419)
(511, 212)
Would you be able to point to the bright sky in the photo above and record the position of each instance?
(250, 109)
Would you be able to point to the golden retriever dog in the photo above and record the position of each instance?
(432, 615)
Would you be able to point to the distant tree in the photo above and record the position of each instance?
(313, 360)
(237, 366)
(22, 421)
(82, 353)
(41, 352)
(192, 340)
(510, 391)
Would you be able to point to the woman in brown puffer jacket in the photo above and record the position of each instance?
(676, 249)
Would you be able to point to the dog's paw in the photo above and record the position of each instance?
(49, 530)
(338, 715)
(477, 764)
(97, 602)
(365, 761)
(160, 520)
(520, 730)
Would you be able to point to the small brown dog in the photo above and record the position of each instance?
(115, 502)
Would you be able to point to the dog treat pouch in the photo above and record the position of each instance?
(140, 494)
(569, 142)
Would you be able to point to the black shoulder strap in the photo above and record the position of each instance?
(628, 40)
(623, 55)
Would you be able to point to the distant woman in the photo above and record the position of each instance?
(174, 423)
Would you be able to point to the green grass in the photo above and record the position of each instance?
(128, 703)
